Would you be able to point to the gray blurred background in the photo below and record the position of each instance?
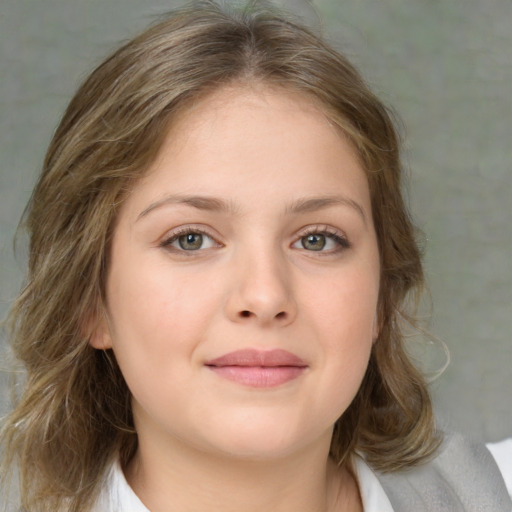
(446, 67)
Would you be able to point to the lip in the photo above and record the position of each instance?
(258, 368)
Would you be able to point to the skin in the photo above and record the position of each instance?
(278, 171)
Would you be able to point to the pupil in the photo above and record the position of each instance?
(314, 242)
(191, 241)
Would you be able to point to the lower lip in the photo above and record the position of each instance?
(259, 376)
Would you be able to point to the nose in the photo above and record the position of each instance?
(262, 291)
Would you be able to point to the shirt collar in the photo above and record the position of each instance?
(372, 494)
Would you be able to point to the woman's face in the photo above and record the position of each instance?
(244, 278)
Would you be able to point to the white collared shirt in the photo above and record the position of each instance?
(118, 496)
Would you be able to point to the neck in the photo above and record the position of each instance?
(182, 478)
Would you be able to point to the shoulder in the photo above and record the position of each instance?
(463, 477)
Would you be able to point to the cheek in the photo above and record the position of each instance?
(347, 302)
(346, 316)
(154, 328)
(157, 313)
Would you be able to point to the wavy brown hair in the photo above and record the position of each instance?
(74, 416)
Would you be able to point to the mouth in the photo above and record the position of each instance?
(258, 368)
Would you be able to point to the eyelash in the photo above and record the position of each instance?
(330, 233)
(183, 231)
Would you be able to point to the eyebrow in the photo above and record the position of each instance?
(314, 204)
(213, 204)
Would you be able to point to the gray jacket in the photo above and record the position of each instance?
(462, 478)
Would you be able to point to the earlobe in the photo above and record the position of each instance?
(100, 338)
(98, 333)
(376, 328)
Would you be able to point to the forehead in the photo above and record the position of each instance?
(219, 104)
(279, 141)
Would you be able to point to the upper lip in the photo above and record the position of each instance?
(254, 357)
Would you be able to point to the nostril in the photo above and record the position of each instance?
(247, 314)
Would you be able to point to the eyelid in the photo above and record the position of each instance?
(334, 234)
(174, 234)
(338, 236)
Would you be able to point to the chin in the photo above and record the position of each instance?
(266, 441)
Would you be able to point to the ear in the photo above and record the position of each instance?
(376, 327)
(98, 332)
(100, 338)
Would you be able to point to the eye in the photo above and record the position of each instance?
(315, 242)
(189, 240)
(322, 240)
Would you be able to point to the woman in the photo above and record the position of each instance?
(221, 264)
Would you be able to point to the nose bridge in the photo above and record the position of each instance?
(262, 288)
